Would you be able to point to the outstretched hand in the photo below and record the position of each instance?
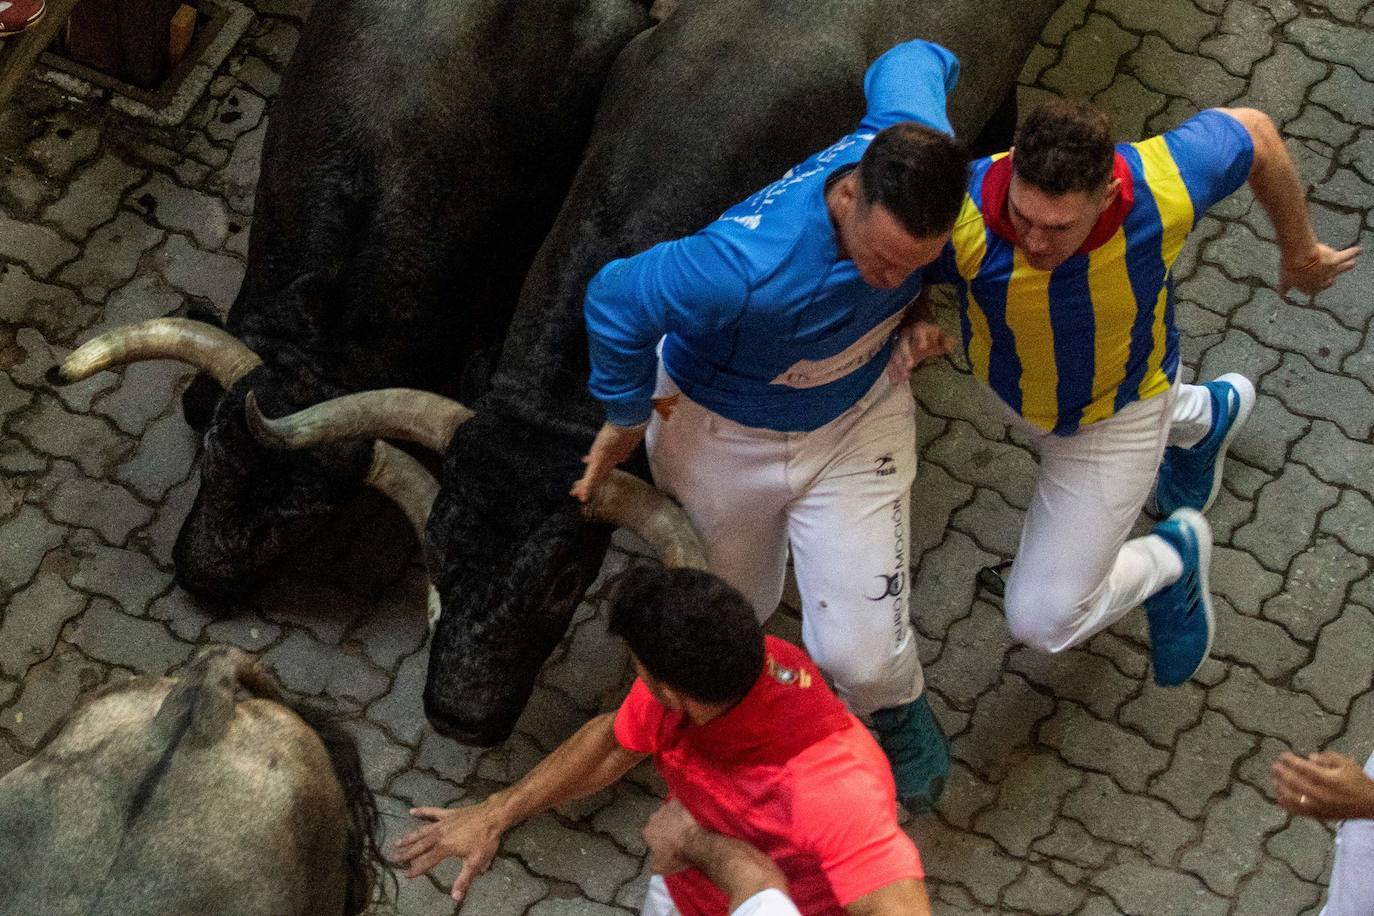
(613, 445)
(1318, 271)
(1325, 785)
(470, 833)
(916, 341)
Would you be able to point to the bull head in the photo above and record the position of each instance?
(492, 633)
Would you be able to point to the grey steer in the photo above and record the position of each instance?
(701, 111)
(162, 797)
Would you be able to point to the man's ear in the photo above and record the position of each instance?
(1110, 195)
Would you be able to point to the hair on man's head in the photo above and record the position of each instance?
(918, 174)
(1064, 146)
(689, 630)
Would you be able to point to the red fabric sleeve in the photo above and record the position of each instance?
(639, 721)
(852, 827)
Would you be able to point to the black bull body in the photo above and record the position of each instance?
(700, 111)
(162, 798)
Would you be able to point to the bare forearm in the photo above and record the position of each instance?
(586, 763)
(1277, 186)
(734, 866)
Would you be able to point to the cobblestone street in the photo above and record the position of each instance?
(1079, 786)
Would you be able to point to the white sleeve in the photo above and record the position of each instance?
(770, 902)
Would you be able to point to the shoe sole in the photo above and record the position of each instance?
(25, 27)
(1246, 390)
(1202, 532)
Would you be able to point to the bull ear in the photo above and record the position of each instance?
(316, 292)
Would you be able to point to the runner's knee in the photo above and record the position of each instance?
(1044, 619)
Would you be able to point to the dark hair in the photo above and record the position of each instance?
(689, 630)
(918, 174)
(1063, 146)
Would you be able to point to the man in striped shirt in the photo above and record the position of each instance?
(1062, 260)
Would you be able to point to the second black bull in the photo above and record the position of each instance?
(700, 111)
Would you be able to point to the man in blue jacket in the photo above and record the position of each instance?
(766, 407)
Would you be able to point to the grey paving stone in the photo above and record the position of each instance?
(23, 189)
(63, 145)
(1040, 891)
(1245, 639)
(111, 255)
(107, 634)
(247, 631)
(401, 709)
(382, 758)
(1040, 57)
(200, 273)
(1240, 580)
(239, 112)
(158, 537)
(1285, 517)
(1181, 23)
(1267, 710)
(108, 509)
(1336, 458)
(1007, 716)
(1242, 38)
(258, 76)
(1004, 468)
(126, 576)
(1242, 254)
(276, 42)
(1070, 842)
(554, 851)
(1304, 845)
(183, 613)
(1028, 802)
(1348, 300)
(1130, 820)
(164, 458)
(54, 311)
(591, 667)
(624, 818)
(24, 540)
(1102, 747)
(1314, 334)
(550, 718)
(202, 150)
(1141, 889)
(1201, 765)
(1315, 588)
(1162, 713)
(38, 248)
(86, 440)
(1345, 93)
(948, 852)
(1066, 19)
(507, 889)
(50, 691)
(934, 497)
(1358, 740)
(1130, 106)
(971, 661)
(1317, 123)
(1238, 352)
(94, 195)
(398, 625)
(1334, 42)
(323, 608)
(1228, 850)
(1274, 890)
(32, 621)
(183, 210)
(448, 758)
(1340, 669)
(1076, 675)
(1090, 58)
(12, 399)
(1200, 81)
(240, 173)
(517, 756)
(1352, 520)
(311, 668)
(425, 791)
(991, 521)
(955, 395)
(944, 587)
(147, 391)
(1279, 83)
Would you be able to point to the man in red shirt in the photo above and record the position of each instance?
(748, 738)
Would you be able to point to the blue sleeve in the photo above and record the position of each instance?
(1214, 153)
(910, 82)
(691, 286)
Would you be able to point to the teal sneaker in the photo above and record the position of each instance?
(1180, 615)
(1191, 477)
(917, 750)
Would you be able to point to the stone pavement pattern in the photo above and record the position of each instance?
(1079, 787)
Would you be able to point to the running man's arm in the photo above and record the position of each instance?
(1305, 263)
(910, 82)
(900, 898)
(584, 764)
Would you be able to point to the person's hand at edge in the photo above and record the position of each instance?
(613, 445)
(1325, 785)
(1317, 271)
(915, 342)
(472, 833)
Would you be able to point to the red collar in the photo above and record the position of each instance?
(997, 180)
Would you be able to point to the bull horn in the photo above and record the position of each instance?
(204, 346)
(409, 414)
(628, 502)
(405, 482)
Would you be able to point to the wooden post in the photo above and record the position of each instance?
(125, 38)
(18, 53)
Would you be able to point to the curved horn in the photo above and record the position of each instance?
(204, 346)
(629, 502)
(406, 482)
(415, 416)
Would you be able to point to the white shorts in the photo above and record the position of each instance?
(770, 902)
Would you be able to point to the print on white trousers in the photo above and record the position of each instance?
(839, 497)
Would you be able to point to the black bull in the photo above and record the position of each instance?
(699, 112)
(162, 798)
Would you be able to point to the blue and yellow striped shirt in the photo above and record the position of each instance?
(1067, 347)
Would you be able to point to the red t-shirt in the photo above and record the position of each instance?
(790, 771)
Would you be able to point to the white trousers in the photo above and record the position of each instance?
(839, 497)
(1075, 571)
(1351, 892)
(658, 902)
